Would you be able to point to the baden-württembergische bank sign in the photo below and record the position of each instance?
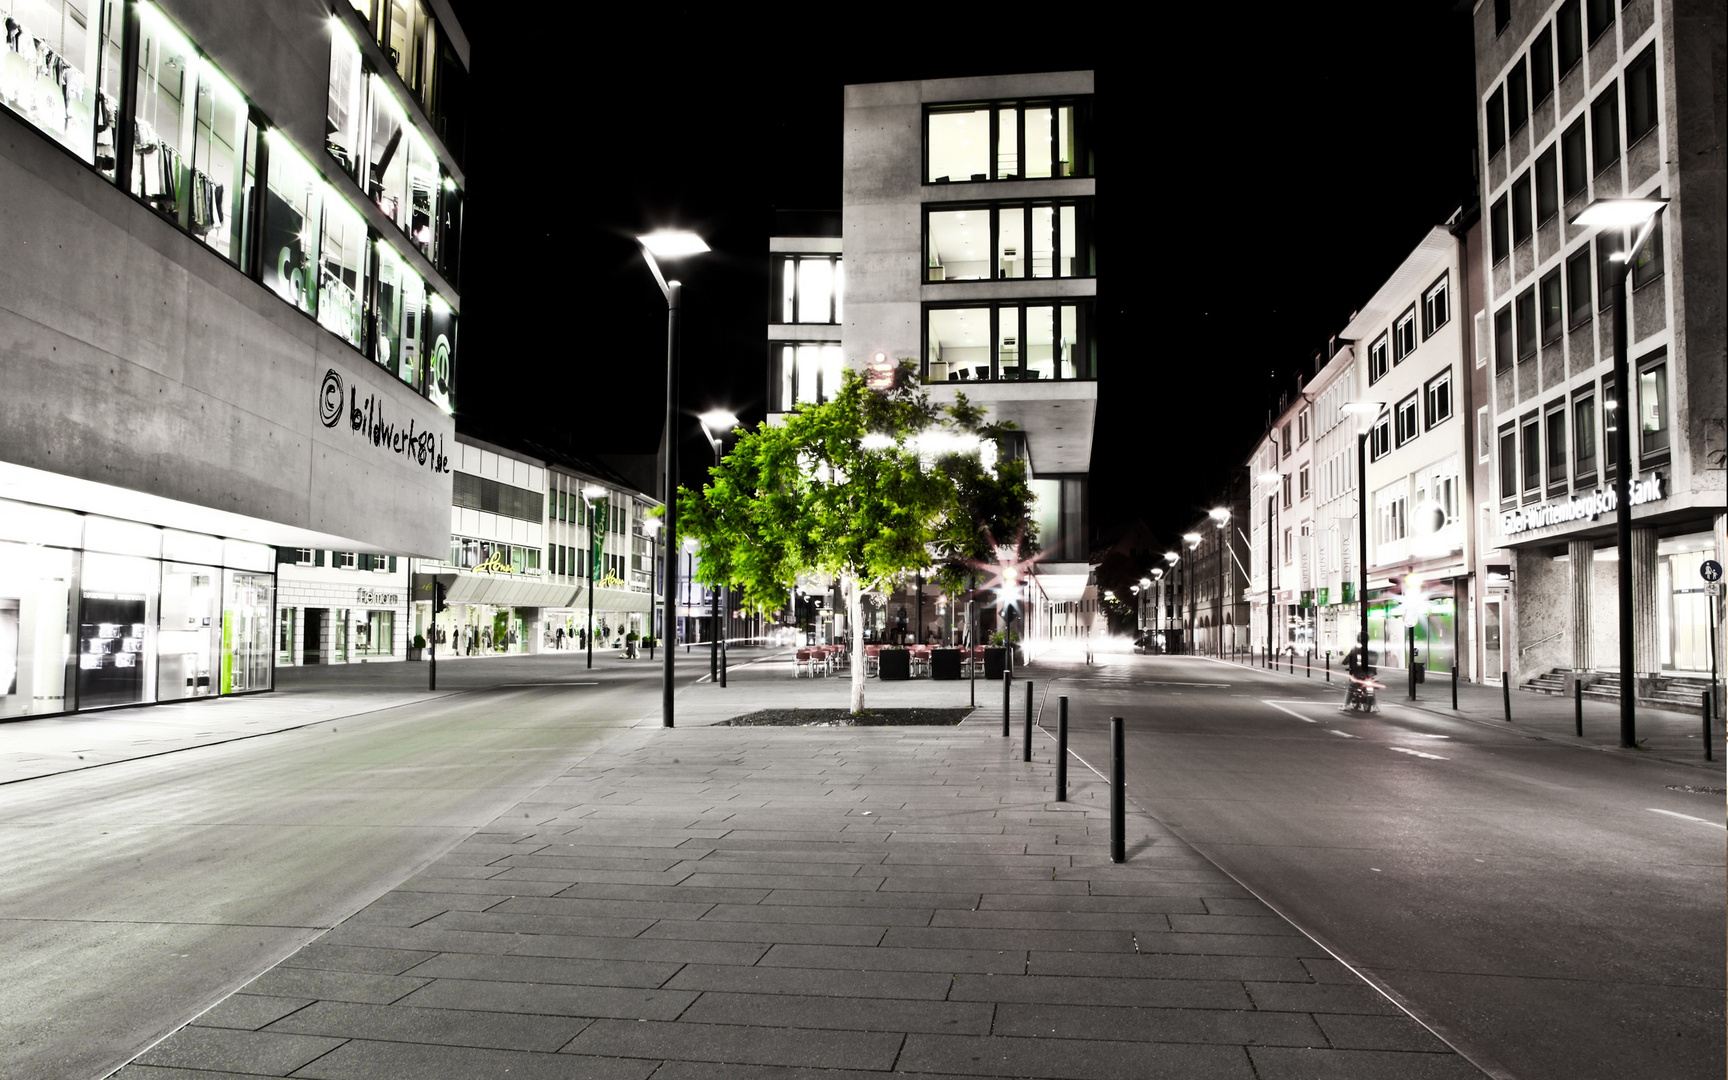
(1588, 506)
(366, 419)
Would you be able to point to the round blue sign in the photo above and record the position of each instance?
(1710, 570)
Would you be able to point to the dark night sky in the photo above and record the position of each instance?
(1259, 178)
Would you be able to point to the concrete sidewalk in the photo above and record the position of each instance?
(803, 903)
(1675, 737)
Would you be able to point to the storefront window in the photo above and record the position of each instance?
(374, 633)
(224, 165)
(387, 157)
(116, 637)
(1653, 410)
(36, 623)
(401, 318)
(420, 215)
(293, 215)
(166, 81)
(341, 274)
(53, 55)
(440, 351)
(345, 107)
(447, 239)
(248, 631)
(190, 626)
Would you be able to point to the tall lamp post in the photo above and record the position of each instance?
(670, 244)
(1272, 478)
(1619, 215)
(715, 424)
(1221, 515)
(1372, 411)
(652, 528)
(1175, 562)
(1192, 588)
(589, 495)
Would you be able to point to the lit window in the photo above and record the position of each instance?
(1404, 336)
(1653, 410)
(1406, 419)
(1436, 308)
(1437, 398)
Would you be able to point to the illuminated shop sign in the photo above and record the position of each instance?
(366, 419)
(1586, 507)
(369, 598)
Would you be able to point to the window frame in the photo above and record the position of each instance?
(1437, 305)
(1584, 399)
(1568, 36)
(1517, 97)
(1557, 444)
(1084, 248)
(1605, 129)
(1654, 443)
(1547, 185)
(1404, 335)
(1553, 316)
(1650, 262)
(1505, 340)
(1080, 168)
(1575, 160)
(1507, 441)
(1380, 438)
(1530, 455)
(1523, 209)
(1379, 357)
(1084, 350)
(1496, 126)
(1499, 231)
(1525, 306)
(1578, 315)
(1643, 95)
(1542, 60)
(1431, 394)
(1407, 419)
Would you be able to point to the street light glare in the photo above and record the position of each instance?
(1617, 213)
(718, 420)
(1270, 476)
(673, 243)
(1220, 514)
(1192, 538)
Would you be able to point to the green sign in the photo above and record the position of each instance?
(1325, 597)
(597, 538)
(1349, 592)
(1307, 598)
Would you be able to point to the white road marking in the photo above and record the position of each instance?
(1416, 753)
(1688, 817)
(1425, 735)
(1335, 731)
(1214, 685)
(1292, 712)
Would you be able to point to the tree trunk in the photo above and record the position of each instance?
(854, 591)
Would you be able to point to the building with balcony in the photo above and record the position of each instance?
(1582, 101)
(228, 309)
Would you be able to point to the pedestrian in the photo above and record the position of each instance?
(456, 641)
(558, 639)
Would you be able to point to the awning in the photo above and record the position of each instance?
(499, 590)
(613, 600)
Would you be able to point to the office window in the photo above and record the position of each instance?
(1008, 241)
(1437, 398)
(1653, 409)
(345, 107)
(342, 271)
(1508, 462)
(1574, 161)
(1379, 439)
(1436, 308)
(1404, 335)
(1521, 223)
(1302, 428)
(1289, 546)
(808, 289)
(1532, 447)
(1394, 516)
(1607, 245)
(1605, 129)
(1006, 140)
(1302, 482)
(1610, 425)
(1578, 288)
(1542, 66)
(1496, 112)
(345, 560)
(1502, 15)
(1553, 307)
(1517, 97)
(1647, 264)
(1556, 423)
(1641, 104)
(1284, 483)
(1405, 415)
(1598, 17)
(1526, 304)
(1008, 341)
(1584, 436)
(806, 372)
(1503, 350)
(1377, 359)
(1569, 30)
(1547, 185)
(1499, 231)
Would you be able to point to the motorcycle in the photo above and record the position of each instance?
(1360, 696)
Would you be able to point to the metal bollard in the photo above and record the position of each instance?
(1118, 798)
(1578, 708)
(1062, 749)
(1708, 753)
(1308, 667)
(1007, 691)
(1454, 681)
(1506, 693)
(1026, 748)
(1328, 665)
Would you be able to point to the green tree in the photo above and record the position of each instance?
(868, 487)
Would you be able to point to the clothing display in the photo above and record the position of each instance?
(38, 82)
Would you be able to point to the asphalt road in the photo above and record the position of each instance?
(1553, 912)
(134, 896)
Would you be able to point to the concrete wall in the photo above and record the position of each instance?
(131, 355)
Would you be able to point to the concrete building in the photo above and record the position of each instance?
(231, 237)
(967, 227)
(1579, 102)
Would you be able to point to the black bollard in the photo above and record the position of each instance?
(1062, 749)
(1007, 691)
(1506, 693)
(1328, 665)
(1578, 706)
(1026, 747)
(1308, 666)
(1118, 774)
(1708, 753)
(1454, 680)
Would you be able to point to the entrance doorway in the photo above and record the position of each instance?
(1493, 664)
(314, 637)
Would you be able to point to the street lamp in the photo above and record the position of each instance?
(715, 424)
(670, 244)
(656, 628)
(589, 495)
(1618, 215)
(1192, 588)
(1373, 411)
(1175, 562)
(1222, 516)
(1271, 478)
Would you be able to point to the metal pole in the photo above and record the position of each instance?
(1506, 693)
(1362, 538)
(1328, 665)
(726, 630)
(590, 585)
(1117, 776)
(1271, 519)
(713, 633)
(1454, 671)
(1410, 660)
(1708, 753)
(1007, 692)
(1308, 665)
(1623, 508)
(1026, 727)
(1062, 749)
(1578, 706)
(668, 600)
(432, 639)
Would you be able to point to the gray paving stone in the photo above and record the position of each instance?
(418, 938)
(1232, 924)
(230, 1050)
(438, 1027)
(1324, 969)
(332, 985)
(1054, 920)
(539, 924)
(1280, 1063)
(811, 934)
(1079, 990)
(949, 937)
(740, 1044)
(1348, 1032)
(841, 1013)
(548, 999)
(331, 957)
(862, 883)
(604, 909)
(1167, 966)
(1230, 945)
(1237, 905)
(400, 909)
(1069, 1059)
(1185, 902)
(875, 915)
(361, 1060)
(924, 986)
(249, 1011)
(493, 886)
(1321, 998)
(984, 884)
(158, 1072)
(893, 899)
(546, 969)
(642, 949)
(850, 958)
(687, 894)
(1235, 1028)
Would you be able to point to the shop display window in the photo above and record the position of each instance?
(440, 338)
(166, 82)
(116, 637)
(189, 629)
(387, 153)
(345, 108)
(248, 631)
(341, 270)
(58, 64)
(374, 633)
(293, 215)
(224, 166)
(401, 317)
(420, 213)
(37, 609)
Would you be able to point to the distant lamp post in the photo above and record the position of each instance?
(589, 495)
(715, 425)
(1175, 562)
(671, 245)
(1272, 478)
(1222, 516)
(1192, 588)
(1619, 215)
(1368, 414)
(656, 627)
